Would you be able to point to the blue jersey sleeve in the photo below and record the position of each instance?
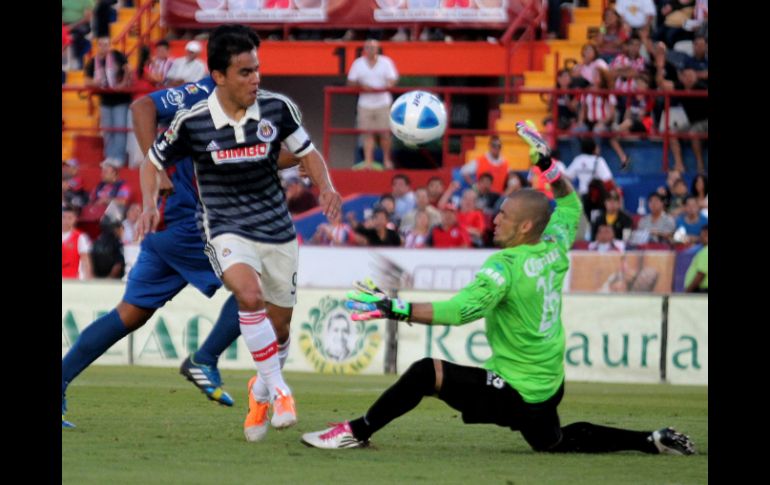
(169, 101)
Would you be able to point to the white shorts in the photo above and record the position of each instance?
(677, 120)
(276, 264)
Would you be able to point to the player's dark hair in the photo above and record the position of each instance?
(237, 29)
(222, 48)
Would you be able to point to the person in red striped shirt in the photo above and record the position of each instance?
(598, 111)
(629, 65)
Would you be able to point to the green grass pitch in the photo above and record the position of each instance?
(149, 425)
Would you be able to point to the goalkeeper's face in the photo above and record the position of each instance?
(509, 224)
(522, 219)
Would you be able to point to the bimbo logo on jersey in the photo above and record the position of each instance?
(241, 154)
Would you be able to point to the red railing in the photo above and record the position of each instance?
(536, 8)
(142, 23)
(448, 92)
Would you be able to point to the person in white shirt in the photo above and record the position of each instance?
(636, 13)
(373, 71)
(187, 69)
(587, 166)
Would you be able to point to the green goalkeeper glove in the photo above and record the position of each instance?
(539, 151)
(371, 303)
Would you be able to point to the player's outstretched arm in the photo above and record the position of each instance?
(471, 303)
(316, 169)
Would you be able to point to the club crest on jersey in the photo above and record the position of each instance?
(175, 97)
(241, 154)
(266, 131)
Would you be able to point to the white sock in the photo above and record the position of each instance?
(257, 331)
(259, 389)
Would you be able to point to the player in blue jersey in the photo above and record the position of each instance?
(168, 261)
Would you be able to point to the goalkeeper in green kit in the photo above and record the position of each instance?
(518, 292)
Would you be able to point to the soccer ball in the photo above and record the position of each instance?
(417, 117)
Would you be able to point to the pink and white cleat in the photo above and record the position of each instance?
(337, 437)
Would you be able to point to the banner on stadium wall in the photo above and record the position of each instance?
(612, 338)
(324, 338)
(84, 302)
(423, 269)
(633, 271)
(189, 13)
(608, 339)
(688, 340)
(441, 10)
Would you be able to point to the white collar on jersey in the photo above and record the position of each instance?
(221, 119)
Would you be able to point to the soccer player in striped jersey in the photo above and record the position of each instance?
(169, 259)
(234, 138)
(518, 292)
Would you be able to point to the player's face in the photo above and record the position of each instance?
(507, 223)
(241, 80)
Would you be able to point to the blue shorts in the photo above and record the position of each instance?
(167, 262)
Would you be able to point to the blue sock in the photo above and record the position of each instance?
(225, 332)
(94, 341)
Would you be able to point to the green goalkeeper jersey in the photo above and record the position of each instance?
(518, 292)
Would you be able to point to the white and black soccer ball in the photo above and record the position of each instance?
(417, 117)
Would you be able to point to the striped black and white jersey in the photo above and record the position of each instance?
(236, 164)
